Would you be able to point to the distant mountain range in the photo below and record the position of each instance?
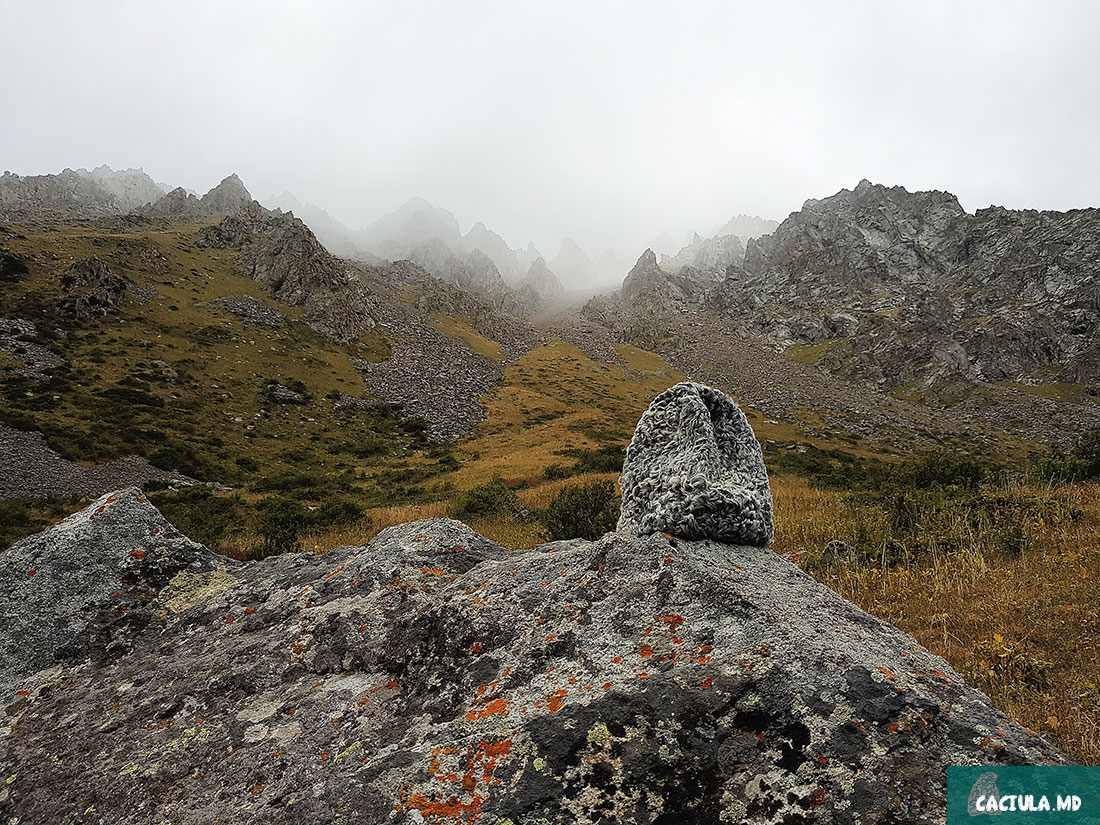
(903, 290)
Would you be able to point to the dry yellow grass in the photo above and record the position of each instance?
(556, 398)
(1024, 629)
(460, 328)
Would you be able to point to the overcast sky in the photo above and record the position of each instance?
(607, 122)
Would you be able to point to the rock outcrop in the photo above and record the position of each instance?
(747, 227)
(647, 288)
(504, 257)
(694, 469)
(132, 188)
(78, 193)
(91, 290)
(572, 265)
(177, 203)
(228, 197)
(278, 251)
(415, 223)
(435, 677)
(710, 257)
(907, 288)
(81, 590)
(542, 281)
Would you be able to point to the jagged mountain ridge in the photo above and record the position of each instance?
(923, 292)
(905, 290)
(102, 191)
(746, 227)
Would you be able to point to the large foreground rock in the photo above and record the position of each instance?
(82, 588)
(436, 677)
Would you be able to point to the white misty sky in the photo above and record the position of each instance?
(605, 121)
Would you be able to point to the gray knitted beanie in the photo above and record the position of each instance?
(694, 469)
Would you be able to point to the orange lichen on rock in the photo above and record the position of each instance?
(497, 706)
(556, 699)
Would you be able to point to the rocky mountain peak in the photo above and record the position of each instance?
(747, 227)
(504, 257)
(178, 202)
(543, 280)
(414, 223)
(645, 279)
(229, 196)
(279, 251)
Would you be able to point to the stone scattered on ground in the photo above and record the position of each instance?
(16, 338)
(32, 470)
(252, 310)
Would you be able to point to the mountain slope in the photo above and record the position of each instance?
(923, 293)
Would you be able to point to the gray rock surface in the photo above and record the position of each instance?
(436, 677)
(932, 294)
(177, 203)
(435, 377)
(710, 257)
(76, 193)
(228, 197)
(694, 469)
(278, 251)
(17, 337)
(543, 281)
(79, 590)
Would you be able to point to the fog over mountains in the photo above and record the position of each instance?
(432, 237)
(603, 123)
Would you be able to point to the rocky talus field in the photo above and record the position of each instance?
(435, 676)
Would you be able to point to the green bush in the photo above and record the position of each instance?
(20, 518)
(337, 511)
(1088, 453)
(941, 468)
(488, 499)
(606, 459)
(582, 511)
(247, 464)
(553, 472)
(183, 458)
(1083, 463)
(200, 515)
(280, 522)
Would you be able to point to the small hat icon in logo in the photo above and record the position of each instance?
(986, 786)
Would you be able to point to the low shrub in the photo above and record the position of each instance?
(581, 511)
(606, 459)
(200, 515)
(489, 499)
(282, 521)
